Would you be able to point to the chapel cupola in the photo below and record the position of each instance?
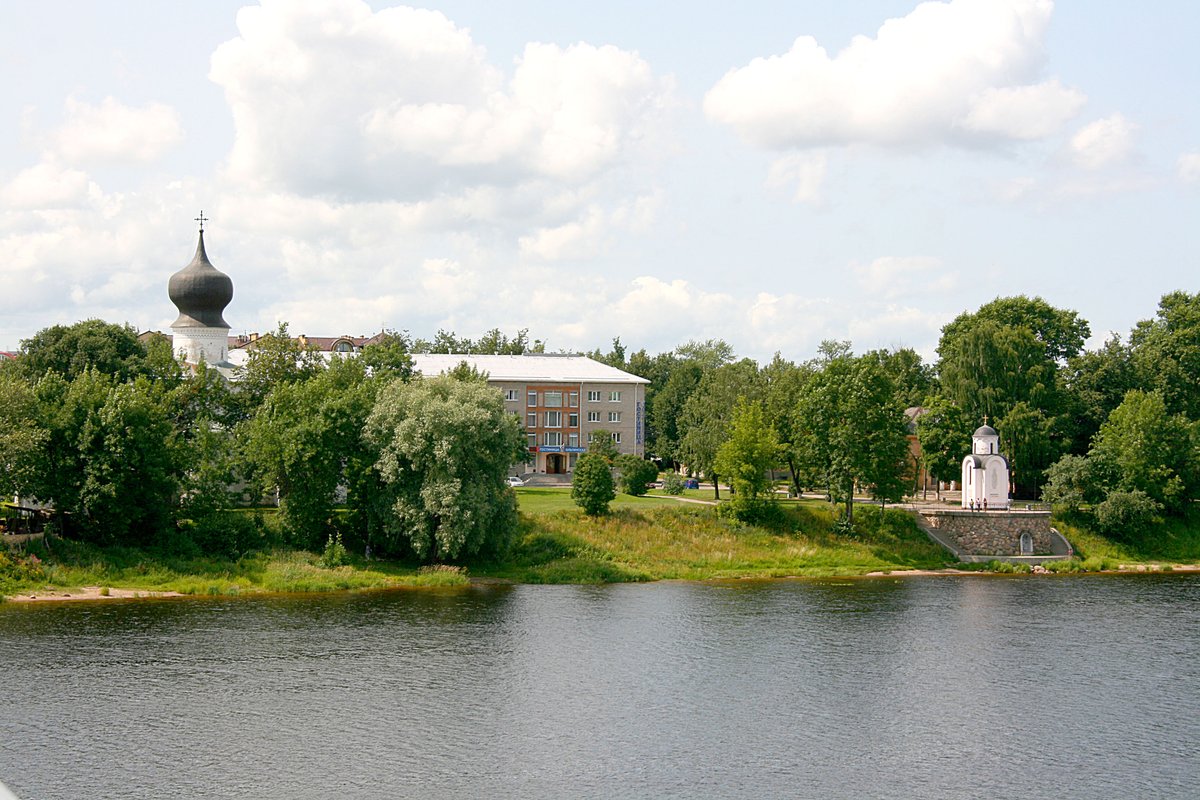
(200, 291)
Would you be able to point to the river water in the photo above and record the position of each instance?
(939, 687)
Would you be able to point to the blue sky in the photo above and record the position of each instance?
(773, 175)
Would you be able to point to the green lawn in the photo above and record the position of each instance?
(543, 499)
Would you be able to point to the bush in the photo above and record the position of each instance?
(335, 554)
(673, 483)
(1126, 515)
(227, 534)
(636, 473)
(592, 485)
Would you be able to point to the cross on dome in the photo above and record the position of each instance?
(201, 219)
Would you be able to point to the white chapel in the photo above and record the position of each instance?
(985, 472)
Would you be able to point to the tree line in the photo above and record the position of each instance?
(131, 448)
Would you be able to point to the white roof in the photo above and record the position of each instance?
(537, 367)
(518, 369)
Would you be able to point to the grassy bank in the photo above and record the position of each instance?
(647, 539)
(643, 539)
(73, 565)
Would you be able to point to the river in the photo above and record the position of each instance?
(937, 687)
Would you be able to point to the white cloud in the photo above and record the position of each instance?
(46, 185)
(115, 133)
(1103, 142)
(959, 72)
(1024, 112)
(803, 171)
(331, 98)
(1188, 167)
(897, 276)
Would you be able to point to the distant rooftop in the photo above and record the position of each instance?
(533, 367)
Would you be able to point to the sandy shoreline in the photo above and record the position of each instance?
(86, 593)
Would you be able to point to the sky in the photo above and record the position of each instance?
(775, 174)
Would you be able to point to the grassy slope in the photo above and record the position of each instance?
(654, 538)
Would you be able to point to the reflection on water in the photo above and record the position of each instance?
(917, 687)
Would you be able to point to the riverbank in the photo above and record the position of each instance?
(643, 539)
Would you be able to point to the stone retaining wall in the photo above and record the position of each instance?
(992, 533)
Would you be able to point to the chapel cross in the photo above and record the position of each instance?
(201, 219)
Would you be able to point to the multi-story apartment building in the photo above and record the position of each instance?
(562, 400)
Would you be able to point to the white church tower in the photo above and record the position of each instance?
(201, 291)
(985, 472)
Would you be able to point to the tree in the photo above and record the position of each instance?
(1143, 447)
(389, 356)
(1092, 385)
(851, 431)
(944, 432)
(444, 450)
(635, 472)
(913, 379)
(1071, 483)
(1060, 332)
(1031, 444)
(600, 443)
(784, 381)
(301, 440)
(705, 422)
(669, 401)
(1166, 353)
(21, 435)
(988, 368)
(592, 484)
(274, 359)
(69, 350)
(746, 459)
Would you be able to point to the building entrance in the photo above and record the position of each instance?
(556, 464)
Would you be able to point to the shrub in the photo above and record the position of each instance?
(227, 534)
(636, 472)
(673, 483)
(335, 554)
(1126, 514)
(592, 484)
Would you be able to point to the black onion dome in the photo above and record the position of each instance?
(200, 291)
(985, 430)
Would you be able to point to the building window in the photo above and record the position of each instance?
(573, 400)
(614, 397)
(553, 419)
(616, 437)
(573, 420)
(531, 419)
(532, 439)
(532, 399)
(614, 416)
(553, 439)
(593, 416)
(344, 347)
(510, 395)
(593, 397)
(572, 440)
(590, 438)
(552, 399)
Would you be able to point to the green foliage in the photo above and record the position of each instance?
(304, 441)
(228, 534)
(1070, 483)
(914, 380)
(1061, 333)
(1030, 443)
(335, 554)
(494, 342)
(1166, 353)
(444, 449)
(1094, 383)
(70, 350)
(22, 437)
(852, 432)
(1142, 447)
(388, 356)
(708, 412)
(274, 359)
(15, 570)
(944, 432)
(600, 443)
(592, 484)
(672, 483)
(751, 450)
(635, 473)
(1126, 515)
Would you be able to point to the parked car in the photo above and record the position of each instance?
(691, 483)
(513, 480)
